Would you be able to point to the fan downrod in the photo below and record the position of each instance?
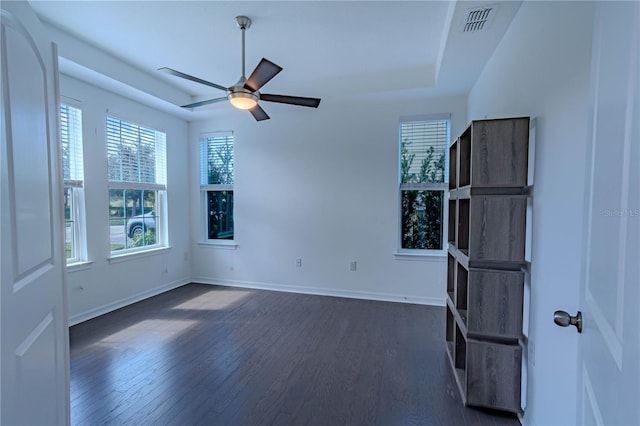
(243, 22)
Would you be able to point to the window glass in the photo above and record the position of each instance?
(73, 175)
(423, 164)
(137, 177)
(216, 185)
(132, 218)
(220, 215)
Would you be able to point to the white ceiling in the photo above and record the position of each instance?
(379, 49)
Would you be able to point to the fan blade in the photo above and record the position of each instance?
(293, 100)
(202, 103)
(190, 77)
(258, 113)
(264, 72)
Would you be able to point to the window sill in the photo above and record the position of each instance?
(82, 265)
(137, 254)
(221, 244)
(433, 256)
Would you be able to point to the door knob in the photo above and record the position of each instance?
(563, 319)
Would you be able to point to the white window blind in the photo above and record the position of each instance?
(71, 140)
(216, 159)
(135, 154)
(424, 147)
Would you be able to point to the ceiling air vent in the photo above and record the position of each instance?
(478, 19)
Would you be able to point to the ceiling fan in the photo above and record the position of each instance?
(245, 93)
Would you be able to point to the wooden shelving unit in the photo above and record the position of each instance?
(485, 282)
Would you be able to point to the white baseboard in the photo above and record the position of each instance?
(101, 310)
(383, 297)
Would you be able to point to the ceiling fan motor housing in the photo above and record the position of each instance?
(242, 98)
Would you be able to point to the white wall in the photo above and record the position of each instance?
(101, 286)
(320, 185)
(541, 69)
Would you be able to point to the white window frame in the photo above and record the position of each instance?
(444, 187)
(160, 187)
(205, 188)
(75, 183)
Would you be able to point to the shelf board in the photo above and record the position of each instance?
(462, 256)
(495, 265)
(462, 325)
(458, 373)
(450, 296)
(472, 191)
(450, 351)
(495, 338)
(459, 255)
(450, 303)
(460, 380)
(463, 317)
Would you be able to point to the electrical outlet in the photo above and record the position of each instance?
(353, 266)
(299, 262)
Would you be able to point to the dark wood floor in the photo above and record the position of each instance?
(224, 356)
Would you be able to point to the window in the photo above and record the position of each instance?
(73, 175)
(137, 187)
(423, 175)
(216, 184)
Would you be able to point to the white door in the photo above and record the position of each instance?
(609, 348)
(33, 317)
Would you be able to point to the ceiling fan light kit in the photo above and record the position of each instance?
(242, 100)
(245, 93)
(240, 97)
